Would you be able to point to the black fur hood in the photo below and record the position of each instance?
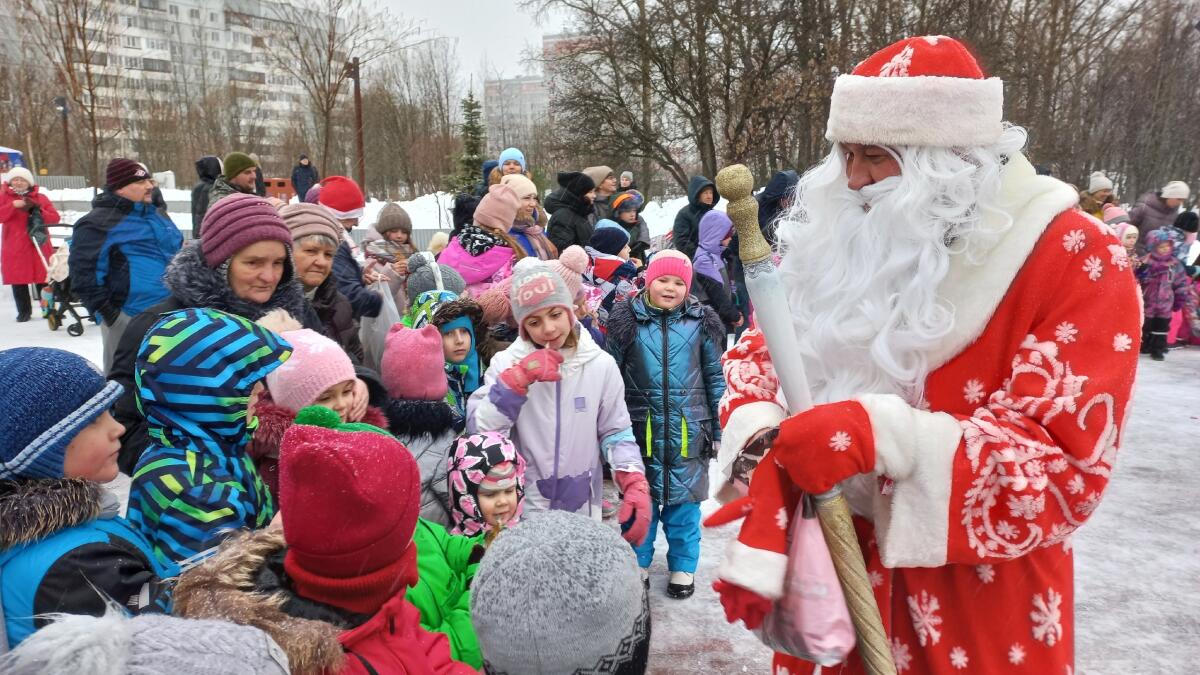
(194, 284)
(411, 418)
(32, 509)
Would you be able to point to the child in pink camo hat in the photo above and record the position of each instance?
(319, 373)
(487, 483)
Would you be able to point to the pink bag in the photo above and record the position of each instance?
(811, 620)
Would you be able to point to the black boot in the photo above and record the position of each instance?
(1158, 346)
(682, 585)
(24, 306)
(1146, 338)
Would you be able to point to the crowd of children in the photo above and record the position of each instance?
(294, 501)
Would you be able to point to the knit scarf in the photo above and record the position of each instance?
(477, 241)
(536, 237)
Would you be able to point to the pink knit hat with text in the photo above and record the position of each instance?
(317, 364)
(670, 262)
(498, 208)
(236, 222)
(342, 196)
(413, 366)
(570, 266)
(536, 287)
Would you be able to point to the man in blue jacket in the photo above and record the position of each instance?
(120, 250)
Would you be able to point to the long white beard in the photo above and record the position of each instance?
(863, 283)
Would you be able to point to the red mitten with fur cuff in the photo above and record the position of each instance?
(825, 445)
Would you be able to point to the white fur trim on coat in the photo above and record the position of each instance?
(916, 449)
(745, 421)
(923, 110)
(754, 569)
(975, 290)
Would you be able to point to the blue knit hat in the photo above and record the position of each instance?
(514, 154)
(47, 396)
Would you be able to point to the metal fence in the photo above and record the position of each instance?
(61, 182)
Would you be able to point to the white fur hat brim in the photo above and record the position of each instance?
(922, 110)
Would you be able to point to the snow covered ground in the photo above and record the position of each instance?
(1137, 560)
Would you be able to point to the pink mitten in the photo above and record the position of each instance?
(540, 366)
(635, 505)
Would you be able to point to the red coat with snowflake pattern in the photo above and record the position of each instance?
(967, 525)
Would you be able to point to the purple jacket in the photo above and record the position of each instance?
(562, 429)
(481, 272)
(1165, 287)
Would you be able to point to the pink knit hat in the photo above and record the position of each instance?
(570, 266)
(1115, 215)
(306, 219)
(670, 262)
(412, 366)
(317, 364)
(236, 222)
(498, 208)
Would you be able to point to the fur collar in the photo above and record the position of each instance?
(34, 509)
(195, 284)
(412, 418)
(225, 587)
(975, 291)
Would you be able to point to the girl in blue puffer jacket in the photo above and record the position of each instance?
(668, 346)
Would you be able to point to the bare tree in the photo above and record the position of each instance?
(73, 37)
(26, 93)
(315, 39)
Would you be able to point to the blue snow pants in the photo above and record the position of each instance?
(681, 523)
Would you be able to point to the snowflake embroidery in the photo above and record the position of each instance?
(1065, 332)
(986, 573)
(1047, 617)
(1016, 654)
(1075, 485)
(876, 578)
(898, 66)
(1122, 342)
(958, 658)
(1094, 267)
(840, 442)
(781, 518)
(924, 612)
(1074, 240)
(901, 655)
(973, 391)
(1057, 465)
(1118, 256)
(1026, 506)
(782, 670)
(1089, 504)
(1006, 529)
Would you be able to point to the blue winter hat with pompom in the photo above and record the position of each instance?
(513, 154)
(47, 396)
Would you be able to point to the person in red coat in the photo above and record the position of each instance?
(970, 389)
(21, 262)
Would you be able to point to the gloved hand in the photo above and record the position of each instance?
(742, 604)
(635, 505)
(540, 366)
(824, 446)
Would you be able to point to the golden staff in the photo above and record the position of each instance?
(736, 183)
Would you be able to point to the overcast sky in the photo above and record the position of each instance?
(491, 34)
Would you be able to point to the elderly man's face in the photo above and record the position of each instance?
(868, 164)
(138, 191)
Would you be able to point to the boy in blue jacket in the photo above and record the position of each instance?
(63, 548)
(668, 347)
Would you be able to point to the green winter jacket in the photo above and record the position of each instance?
(446, 564)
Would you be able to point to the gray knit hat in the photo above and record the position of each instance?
(424, 273)
(535, 287)
(149, 644)
(560, 593)
(393, 217)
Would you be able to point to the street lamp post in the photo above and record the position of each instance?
(63, 108)
(359, 160)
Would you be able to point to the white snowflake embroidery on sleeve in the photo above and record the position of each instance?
(1122, 342)
(923, 609)
(973, 391)
(958, 658)
(901, 655)
(986, 573)
(1094, 267)
(898, 66)
(1065, 332)
(1047, 617)
(876, 578)
(840, 442)
(1074, 241)
(781, 518)
(1118, 256)
(1016, 654)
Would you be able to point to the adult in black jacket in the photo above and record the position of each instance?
(208, 168)
(242, 265)
(260, 185)
(304, 176)
(569, 223)
(774, 198)
(702, 196)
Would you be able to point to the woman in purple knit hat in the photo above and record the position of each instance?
(242, 264)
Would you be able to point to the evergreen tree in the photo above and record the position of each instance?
(473, 135)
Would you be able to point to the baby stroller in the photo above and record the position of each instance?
(57, 298)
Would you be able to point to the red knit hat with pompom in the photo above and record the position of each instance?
(342, 196)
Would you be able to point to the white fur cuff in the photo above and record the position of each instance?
(745, 421)
(754, 569)
(932, 111)
(916, 449)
